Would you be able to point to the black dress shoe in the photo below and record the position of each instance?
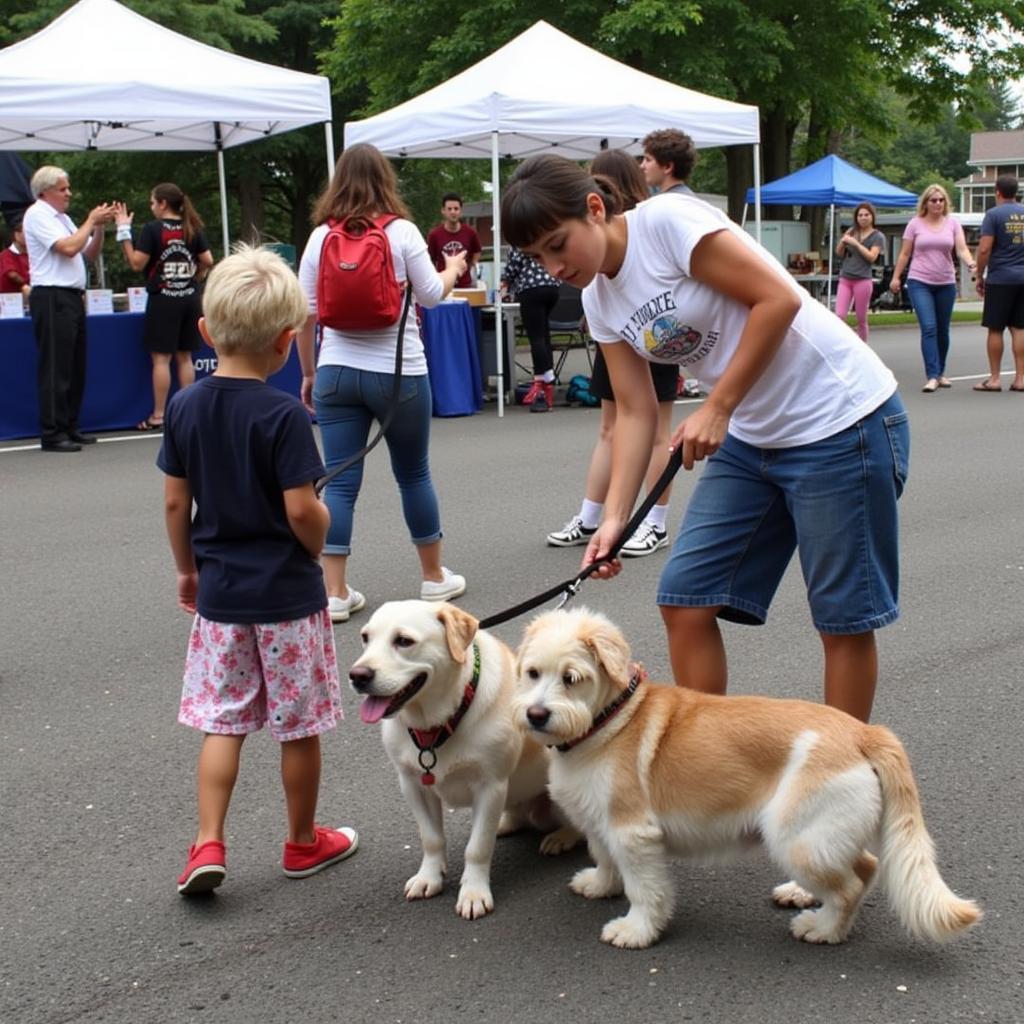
(61, 445)
(80, 438)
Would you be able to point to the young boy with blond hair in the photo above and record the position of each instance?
(261, 649)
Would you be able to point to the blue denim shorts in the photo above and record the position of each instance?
(834, 501)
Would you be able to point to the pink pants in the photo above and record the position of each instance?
(857, 291)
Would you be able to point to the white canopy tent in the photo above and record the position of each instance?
(101, 76)
(544, 92)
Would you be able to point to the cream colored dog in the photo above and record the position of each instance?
(646, 771)
(442, 690)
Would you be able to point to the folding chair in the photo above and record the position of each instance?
(567, 328)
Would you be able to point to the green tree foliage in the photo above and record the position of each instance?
(270, 183)
(873, 79)
(810, 67)
(220, 23)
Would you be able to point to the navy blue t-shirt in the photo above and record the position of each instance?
(240, 444)
(1005, 223)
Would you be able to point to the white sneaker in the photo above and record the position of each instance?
(647, 539)
(574, 532)
(691, 388)
(340, 608)
(443, 590)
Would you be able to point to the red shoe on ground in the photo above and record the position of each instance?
(303, 859)
(536, 388)
(205, 870)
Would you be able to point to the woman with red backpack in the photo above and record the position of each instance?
(350, 383)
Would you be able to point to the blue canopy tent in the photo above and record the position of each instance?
(832, 182)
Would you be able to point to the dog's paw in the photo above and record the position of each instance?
(474, 901)
(595, 884)
(559, 841)
(628, 933)
(789, 894)
(422, 886)
(808, 928)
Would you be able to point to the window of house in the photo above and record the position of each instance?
(982, 199)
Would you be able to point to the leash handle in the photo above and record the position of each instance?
(570, 588)
(395, 393)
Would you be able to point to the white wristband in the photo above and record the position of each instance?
(124, 232)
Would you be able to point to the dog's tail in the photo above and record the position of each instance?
(921, 899)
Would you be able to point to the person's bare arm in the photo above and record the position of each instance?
(304, 342)
(636, 418)
(135, 258)
(963, 251)
(308, 517)
(982, 258)
(88, 239)
(869, 253)
(906, 251)
(731, 268)
(178, 519)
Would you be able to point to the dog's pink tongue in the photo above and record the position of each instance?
(373, 709)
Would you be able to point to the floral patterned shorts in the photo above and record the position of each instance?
(239, 677)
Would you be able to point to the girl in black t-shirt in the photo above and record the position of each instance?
(173, 252)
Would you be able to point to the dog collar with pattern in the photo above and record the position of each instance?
(608, 713)
(428, 740)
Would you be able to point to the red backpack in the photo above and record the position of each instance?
(356, 287)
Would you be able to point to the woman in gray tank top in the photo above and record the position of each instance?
(858, 249)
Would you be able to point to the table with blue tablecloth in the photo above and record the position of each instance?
(450, 334)
(118, 379)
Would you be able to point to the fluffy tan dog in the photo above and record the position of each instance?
(646, 771)
(442, 691)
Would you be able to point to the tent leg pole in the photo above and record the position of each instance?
(499, 327)
(831, 248)
(329, 145)
(222, 179)
(757, 191)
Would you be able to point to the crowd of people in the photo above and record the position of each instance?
(803, 432)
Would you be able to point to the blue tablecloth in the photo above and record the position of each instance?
(450, 341)
(118, 381)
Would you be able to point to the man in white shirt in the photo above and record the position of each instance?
(57, 251)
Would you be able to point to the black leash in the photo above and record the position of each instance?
(570, 588)
(395, 393)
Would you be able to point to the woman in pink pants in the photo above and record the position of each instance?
(858, 249)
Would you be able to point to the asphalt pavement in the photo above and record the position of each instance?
(97, 791)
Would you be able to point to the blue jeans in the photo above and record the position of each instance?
(834, 501)
(933, 306)
(347, 401)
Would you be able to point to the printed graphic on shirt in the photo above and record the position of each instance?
(174, 267)
(453, 248)
(656, 328)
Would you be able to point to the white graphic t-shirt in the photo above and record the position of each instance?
(822, 379)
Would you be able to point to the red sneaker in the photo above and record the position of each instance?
(536, 389)
(331, 845)
(205, 870)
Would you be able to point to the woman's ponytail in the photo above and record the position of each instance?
(169, 193)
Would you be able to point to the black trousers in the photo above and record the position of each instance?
(535, 305)
(58, 321)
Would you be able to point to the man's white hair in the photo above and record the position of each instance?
(45, 178)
